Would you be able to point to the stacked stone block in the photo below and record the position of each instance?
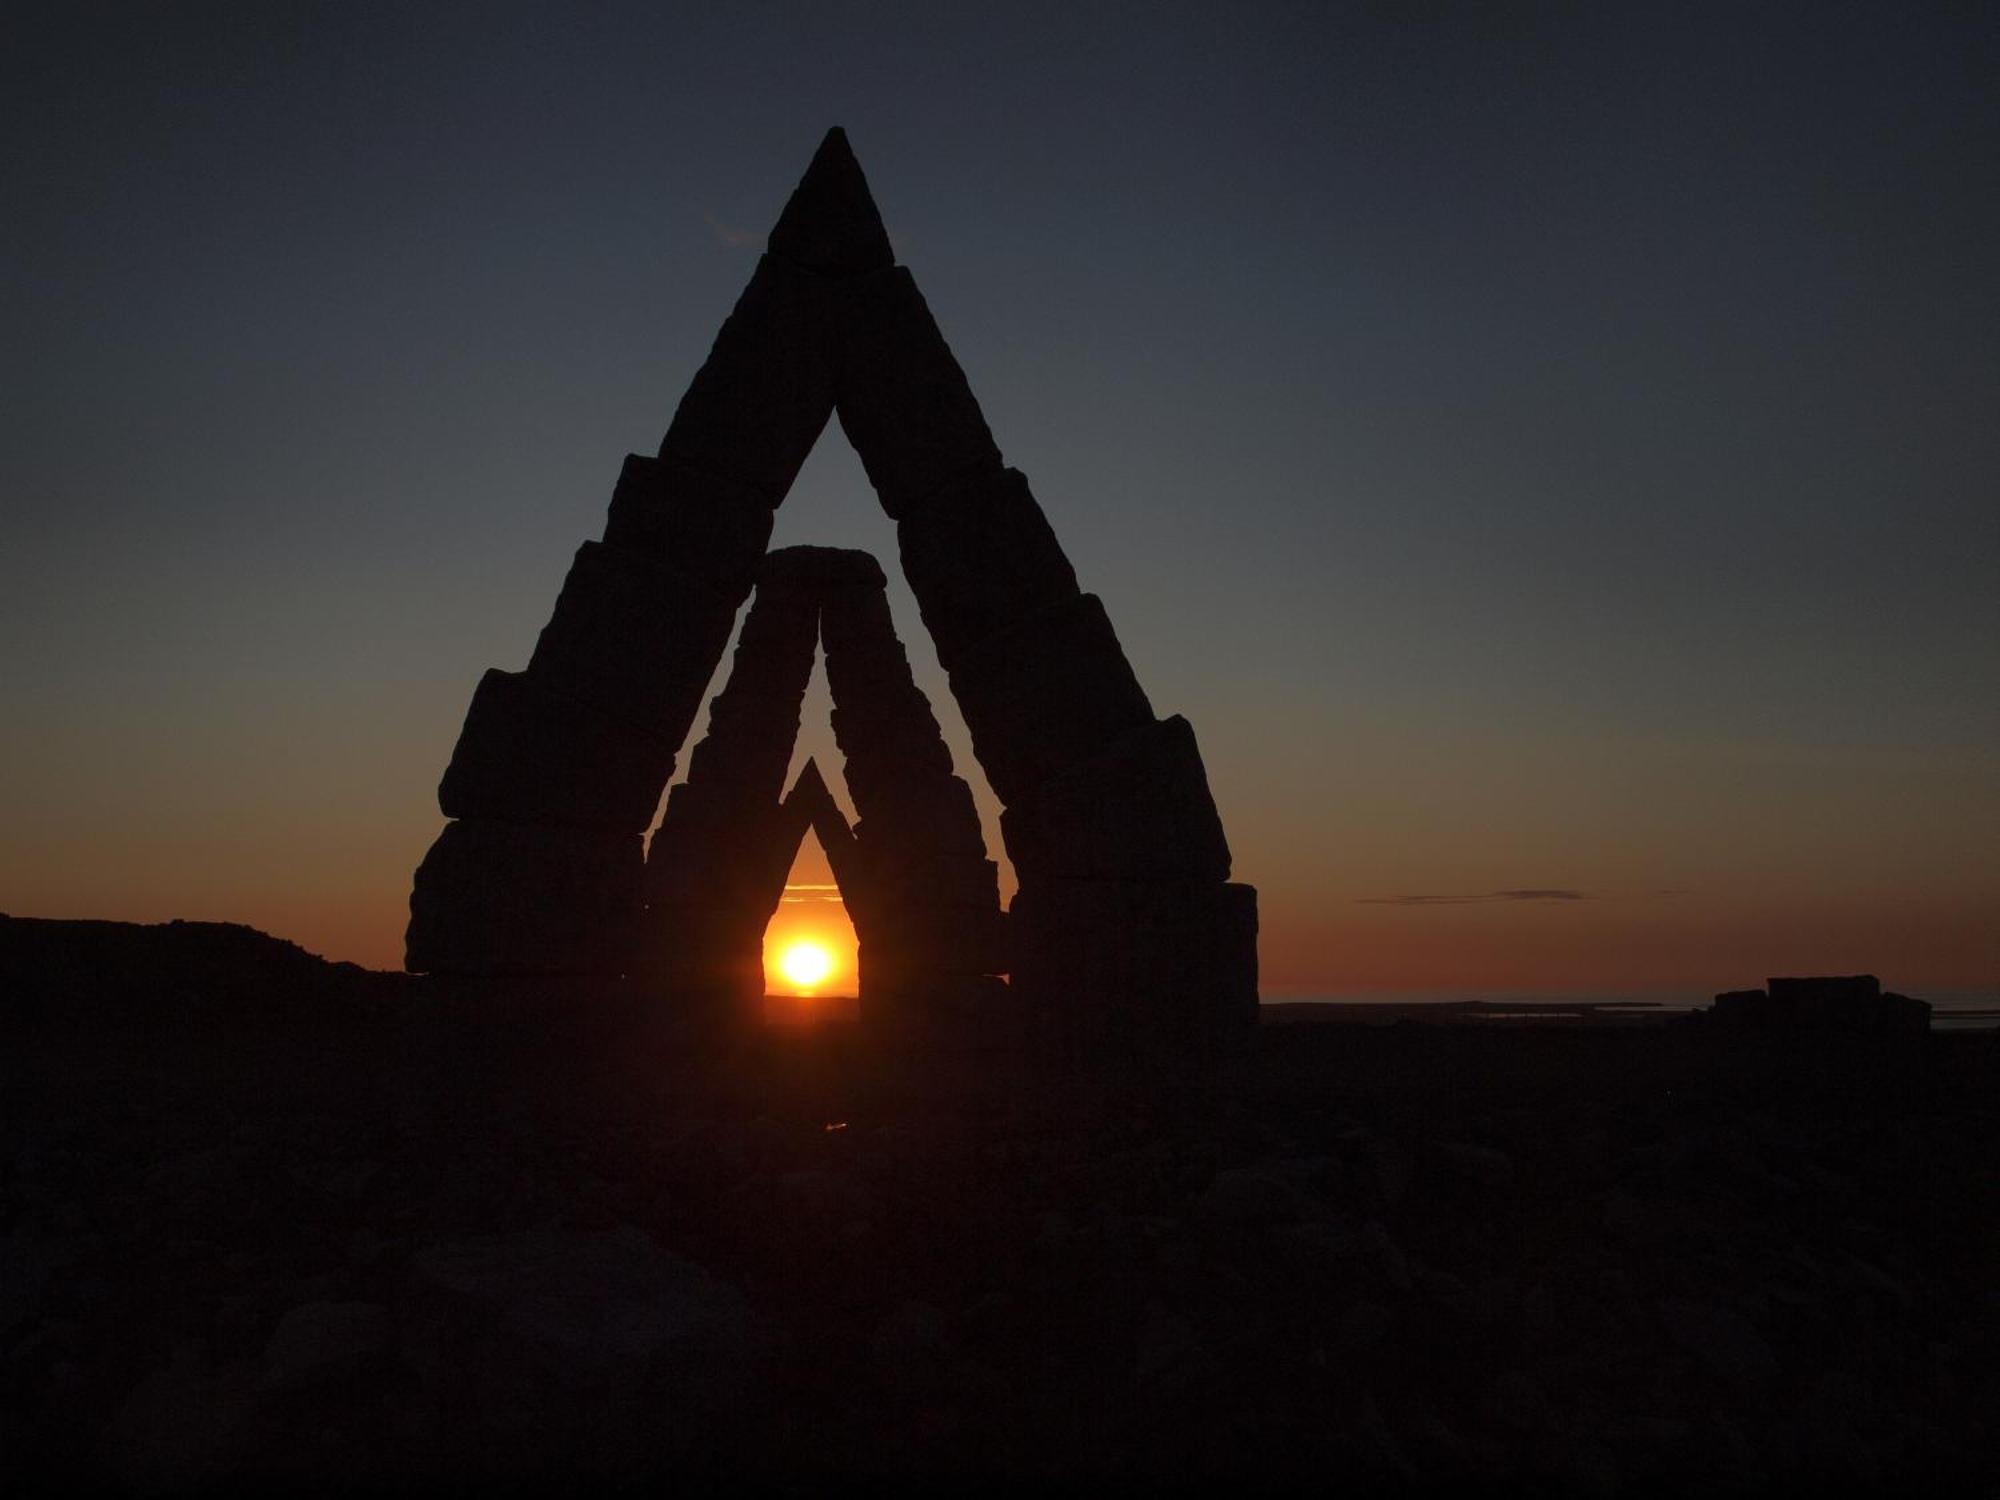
(933, 937)
(1126, 929)
(923, 896)
(1126, 932)
(558, 770)
(717, 863)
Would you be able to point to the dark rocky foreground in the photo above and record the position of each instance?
(350, 1231)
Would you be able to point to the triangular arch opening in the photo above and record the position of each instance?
(1124, 909)
(812, 951)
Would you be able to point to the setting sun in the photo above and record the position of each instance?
(805, 964)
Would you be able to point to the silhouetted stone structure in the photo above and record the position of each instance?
(1126, 931)
(1851, 1004)
(923, 896)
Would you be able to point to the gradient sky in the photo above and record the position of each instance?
(1550, 453)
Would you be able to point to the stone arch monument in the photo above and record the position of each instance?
(1125, 924)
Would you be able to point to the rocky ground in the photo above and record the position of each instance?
(381, 1245)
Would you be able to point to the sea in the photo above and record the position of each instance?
(1951, 1010)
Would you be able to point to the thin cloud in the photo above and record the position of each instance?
(1527, 894)
(802, 893)
(729, 234)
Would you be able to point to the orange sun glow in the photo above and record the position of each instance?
(805, 964)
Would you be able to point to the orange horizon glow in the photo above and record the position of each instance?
(1695, 867)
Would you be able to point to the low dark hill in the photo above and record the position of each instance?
(81, 972)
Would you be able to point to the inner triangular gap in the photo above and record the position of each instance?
(811, 950)
(812, 923)
(832, 504)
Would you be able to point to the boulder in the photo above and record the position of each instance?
(823, 572)
(857, 677)
(905, 742)
(1141, 810)
(711, 529)
(506, 898)
(635, 638)
(318, 1343)
(1851, 1004)
(1722, 1342)
(979, 557)
(1254, 1196)
(1151, 965)
(859, 620)
(529, 754)
(713, 846)
(903, 400)
(704, 952)
(590, 1305)
(918, 878)
(830, 225)
(1047, 694)
(755, 763)
(759, 401)
(565, 1354)
(905, 941)
(932, 812)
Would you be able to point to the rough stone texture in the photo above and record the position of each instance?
(320, 1342)
(1133, 967)
(714, 849)
(712, 530)
(634, 637)
(528, 754)
(980, 557)
(819, 569)
(882, 722)
(918, 876)
(1852, 1004)
(709, 958)
(737, 771)
(903, 401)
(935, 813)
(1051, 692)
(905, 736)
(588, 1304)
(928, 909)
(504, 898)
(760, 400)
(1123, 913)
(918, 941)
(810, 797)
(914, 872)
(831, 226)
(1141, 810)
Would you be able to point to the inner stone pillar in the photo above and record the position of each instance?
(932, 932)
(712, 864)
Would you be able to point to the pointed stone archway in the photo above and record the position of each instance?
(1126, 930)
(923, 896)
